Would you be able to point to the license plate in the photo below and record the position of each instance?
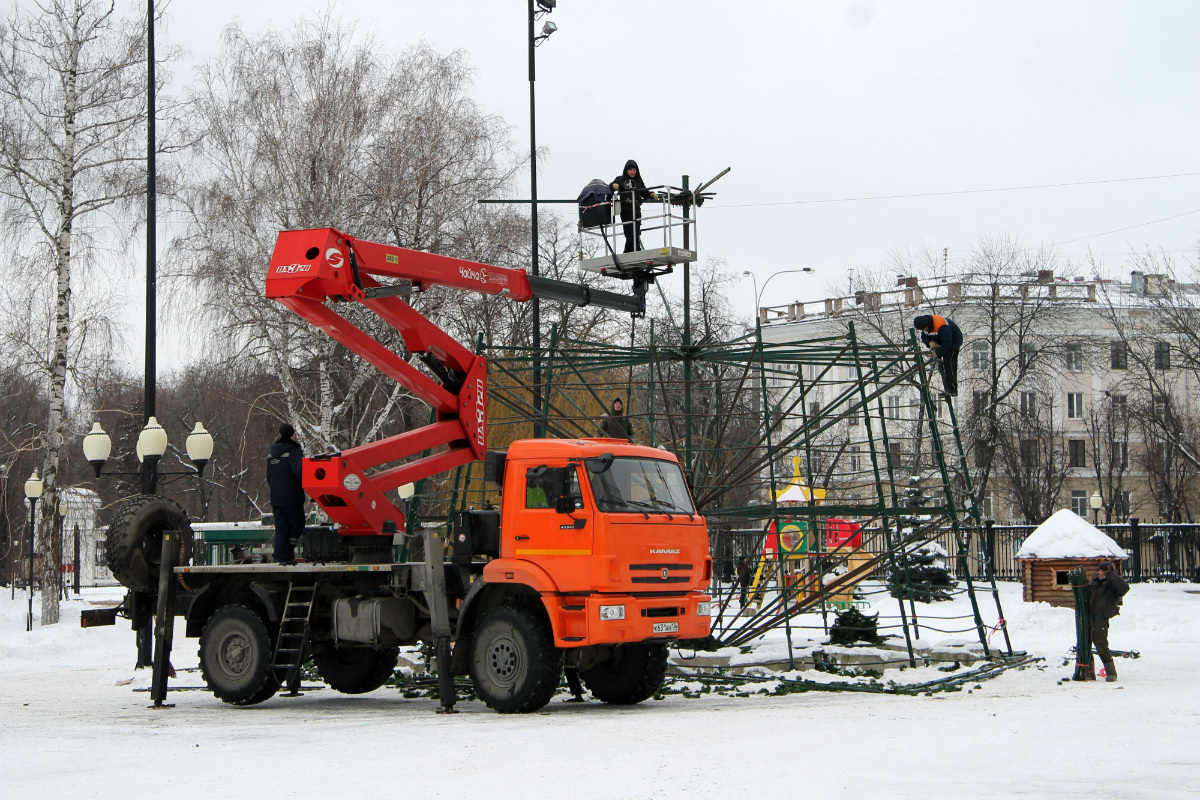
(666, 627)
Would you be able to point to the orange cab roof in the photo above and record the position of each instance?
(585, 448)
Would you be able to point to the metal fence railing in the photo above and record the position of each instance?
(1157, 552)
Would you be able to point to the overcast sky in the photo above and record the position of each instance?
(820, 101)
(831, 100)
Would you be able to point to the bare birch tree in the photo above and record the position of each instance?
(316, 127)
(72, 101)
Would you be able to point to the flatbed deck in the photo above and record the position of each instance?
(305, 568)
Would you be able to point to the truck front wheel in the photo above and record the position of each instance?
(632, 674)
(357, 670)
(515, 666)
(235, 657)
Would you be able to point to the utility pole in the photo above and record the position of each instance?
(538, 431)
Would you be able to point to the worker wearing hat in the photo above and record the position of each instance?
(1108, 587)
(615, 424)
(945, 339)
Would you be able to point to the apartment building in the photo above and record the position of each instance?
(1069, 388)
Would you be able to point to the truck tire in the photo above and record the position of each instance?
(357, 670)
(235, 657)
(633, 674)
(515, 666)
(133, 545)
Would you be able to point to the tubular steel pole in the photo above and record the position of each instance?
(779, 562)
(538, 425)
(151, 243)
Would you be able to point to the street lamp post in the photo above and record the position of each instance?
(33, 492)
(151, 446)
(543, 7)
(1097, 503)
(758, 295)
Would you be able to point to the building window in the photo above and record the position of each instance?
(1028, 404)
(894, 455)
(1119, 452)
(980, 402)
(1029, 452)
(979, 355)
(814, 408)
(1118, 356)
(892, 403)
(1074, 405)
(1026, 355)
(985, 507)
(983, 453)
(1120, 407)
(1076, 453)
(1079, 502)
(1162, 355)
(1073, 356)
(1123, 504)
(855, 459)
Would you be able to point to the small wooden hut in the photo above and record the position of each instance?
(1062, 543)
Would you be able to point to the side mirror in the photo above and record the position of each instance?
(600, 464)
(559, 495)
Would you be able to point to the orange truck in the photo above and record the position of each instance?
(594, 563)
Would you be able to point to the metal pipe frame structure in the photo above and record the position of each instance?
(860, 417)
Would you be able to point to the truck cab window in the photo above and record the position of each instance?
(538, 488)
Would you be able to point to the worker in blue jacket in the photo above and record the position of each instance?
(945, 339)
(284, 464)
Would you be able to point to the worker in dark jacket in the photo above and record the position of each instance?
(744, 574)
(1108, 587)
(287, 494)
(945, 339)
(631, 191)
(615, 424)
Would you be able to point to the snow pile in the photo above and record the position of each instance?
(1067, 535)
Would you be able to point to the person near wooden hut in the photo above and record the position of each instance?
(1108, 587)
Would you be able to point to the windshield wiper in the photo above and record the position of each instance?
(636, 506)
(674, 507)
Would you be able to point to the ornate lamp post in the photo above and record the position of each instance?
(33, 492)
(1097, 503)
(151, 446)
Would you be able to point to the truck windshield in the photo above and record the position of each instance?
(642, 484)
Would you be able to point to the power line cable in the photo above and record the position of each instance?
(958, 191)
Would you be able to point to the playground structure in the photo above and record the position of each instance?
(816, 438)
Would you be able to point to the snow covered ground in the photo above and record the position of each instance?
(68, 728)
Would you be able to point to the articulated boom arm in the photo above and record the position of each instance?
(311, 267)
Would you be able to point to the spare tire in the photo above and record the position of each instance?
(133, 545)
(356, 670)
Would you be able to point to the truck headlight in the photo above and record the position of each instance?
(704, 608)
(612, 612)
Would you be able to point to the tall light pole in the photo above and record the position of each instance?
(148, 478)
(33, 492)
(543, 7)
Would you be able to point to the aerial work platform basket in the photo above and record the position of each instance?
(663, 223)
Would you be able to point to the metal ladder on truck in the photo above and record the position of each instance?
(294, 626)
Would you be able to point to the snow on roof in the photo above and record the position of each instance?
(1067, 535)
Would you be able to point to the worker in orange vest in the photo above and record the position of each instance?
(945, 339)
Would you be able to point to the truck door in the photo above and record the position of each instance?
(560, 543)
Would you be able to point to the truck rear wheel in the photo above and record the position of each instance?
(515, 666)
(133, 544)
(632, 674)
(235, 657)
(357, 670)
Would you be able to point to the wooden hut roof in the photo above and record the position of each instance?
(1067, 535)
